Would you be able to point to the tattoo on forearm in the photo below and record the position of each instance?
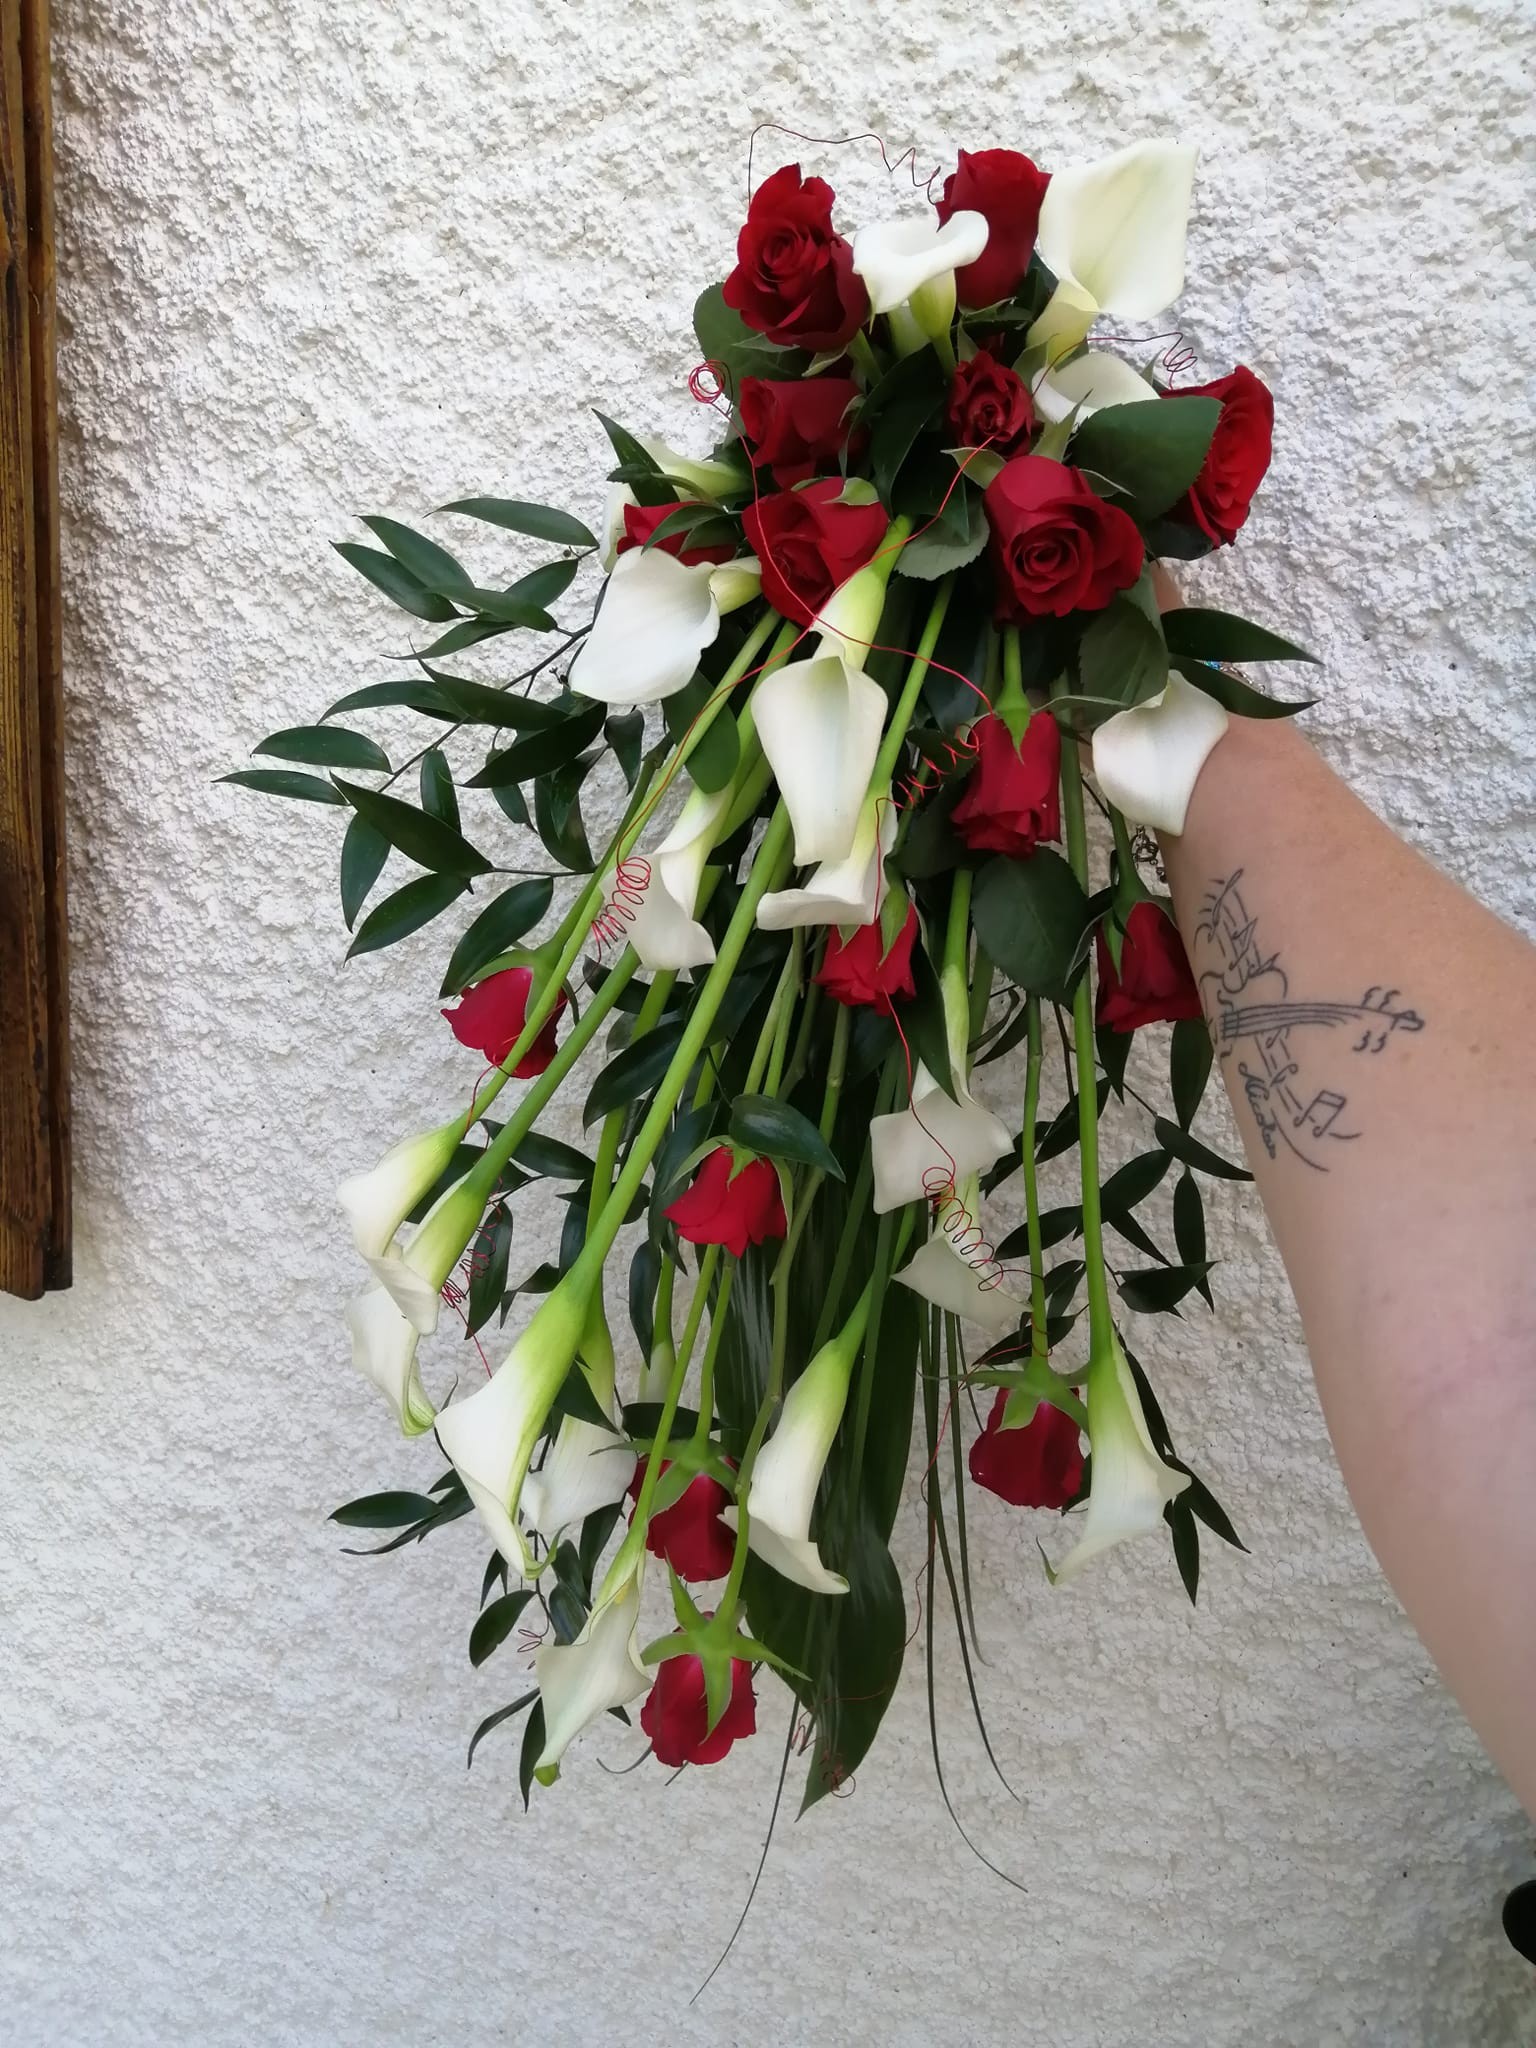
(1288, 1067)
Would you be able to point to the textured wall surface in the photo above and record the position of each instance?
(374, 254)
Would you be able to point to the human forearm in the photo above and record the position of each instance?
(1371, 1023)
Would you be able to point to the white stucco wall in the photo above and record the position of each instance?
(374, 254)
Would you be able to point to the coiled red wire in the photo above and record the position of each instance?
(631, 879)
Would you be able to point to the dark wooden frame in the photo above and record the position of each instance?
(34, 1044)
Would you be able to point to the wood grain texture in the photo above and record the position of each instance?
(34, 1066)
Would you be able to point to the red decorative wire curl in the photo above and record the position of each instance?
(631, 879)
(958, 1224)
(707, 382)
(906, 161)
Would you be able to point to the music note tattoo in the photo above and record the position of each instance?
(1247, 995)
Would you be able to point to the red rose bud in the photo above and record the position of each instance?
(490, 1017)
(796, 425)
(1008, 189)
(1012, 797)
(733, 1209)
(1154, 984)
(989, 405)
(676, 1713)
(1237, 458)
(690, 1534)
(853, 971)
(1056, 546)
(1038, 1466)
(794, 279)
(641, 521)
(808, 544)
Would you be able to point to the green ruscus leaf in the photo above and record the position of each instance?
(325, 746)
(494, 1624)
(776, 1131)
(310, 789)
(396, 582)
(363, 854)
(504, 920)
(406, 911)
(539, 522)
(420, 837)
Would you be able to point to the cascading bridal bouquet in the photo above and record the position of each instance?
(918, 562)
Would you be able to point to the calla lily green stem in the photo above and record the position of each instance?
(767, 868)
(1033, 1059)
(1100, 1318)
(486, 1171)
(906, 704)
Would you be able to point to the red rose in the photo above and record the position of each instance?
(1012, 796)
(1237, 458)
(808, 544)
(1038, 1466)
(858, 970)
(1155, 984)
(490, 1017)
(1008, 189)
(676, 1714)
(989, 404)
(1056, 546)
(641, 521)
(797, 425)
(690, 1534)
(794, 279)
(719, 1209)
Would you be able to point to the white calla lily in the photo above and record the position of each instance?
(705, 478)
(1129, 1485)
(898, 258)
(736, 582)
(587, 1468)
(384, 1349)
(489, 1437)
(1148, 759)
(847, 622)
(1087, 383)
(656, 618)
(820, 723)
(617, 497)
(580, 1681)
(1114, 235)
(378, 1202)
(933, 1135)
(846, 891)
(657, 912)
(942, 1274)
(414, 1274)
(789, 1466)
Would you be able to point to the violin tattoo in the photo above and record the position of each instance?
(1281, 1043)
